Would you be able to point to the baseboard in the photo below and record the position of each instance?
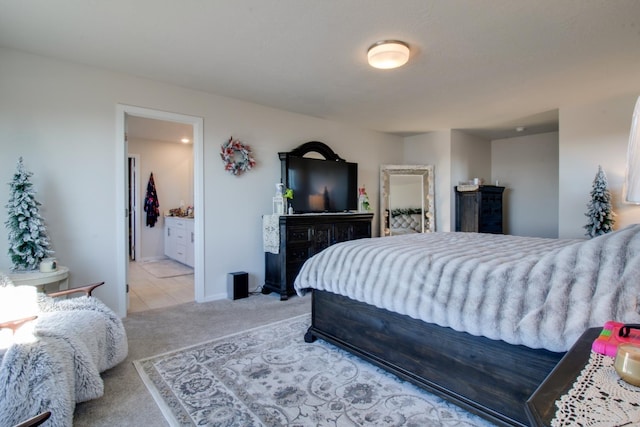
(215, 297)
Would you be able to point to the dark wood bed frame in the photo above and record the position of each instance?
(490, 378)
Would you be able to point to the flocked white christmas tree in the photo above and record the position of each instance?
(599, 209)
(28, 240)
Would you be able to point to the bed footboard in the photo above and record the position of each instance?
(487, 377)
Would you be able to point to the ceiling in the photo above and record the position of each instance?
(484, 66)
(158, 130)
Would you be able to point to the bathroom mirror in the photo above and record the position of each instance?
(407, 202)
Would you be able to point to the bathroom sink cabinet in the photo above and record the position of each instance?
(178, 239)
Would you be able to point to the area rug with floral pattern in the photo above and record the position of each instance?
(268, 376)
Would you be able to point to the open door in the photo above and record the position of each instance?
(133, 186)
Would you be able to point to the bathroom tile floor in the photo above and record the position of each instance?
(147, 292)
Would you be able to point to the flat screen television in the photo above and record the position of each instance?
(322, 185)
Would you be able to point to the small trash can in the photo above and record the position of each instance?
(237, 285)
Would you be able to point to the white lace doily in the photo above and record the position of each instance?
(271, 233)
(599, 397)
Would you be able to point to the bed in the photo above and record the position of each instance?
(406, 221)
(478, 319)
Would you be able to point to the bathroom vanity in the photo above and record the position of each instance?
(178, 239)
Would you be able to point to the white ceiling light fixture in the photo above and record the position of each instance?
(387, 54)
(185, 140)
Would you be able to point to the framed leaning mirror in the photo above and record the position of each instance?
(407, 203)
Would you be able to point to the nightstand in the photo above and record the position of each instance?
(48, 282)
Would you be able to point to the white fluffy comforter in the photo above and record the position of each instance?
(542, 293)
(57, 362)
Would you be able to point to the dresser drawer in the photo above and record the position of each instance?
(361, 230)
(181, 253)
(176, 223)
(297, 253)
(298, 234)
(322, 236)
(180, 235)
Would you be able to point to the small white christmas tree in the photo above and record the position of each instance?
(599, 209)
(28, 240)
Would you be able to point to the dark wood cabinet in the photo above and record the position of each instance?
(301, 237)
(479, 209)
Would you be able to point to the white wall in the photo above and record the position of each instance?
(470, 157)
(527, 166)
(456, 157)
(62, 118)
(434, 148)
(172, 166)
(591, 135)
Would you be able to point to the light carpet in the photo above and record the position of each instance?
(268, 376)
(166, 268)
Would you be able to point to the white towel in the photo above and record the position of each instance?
(271, 233)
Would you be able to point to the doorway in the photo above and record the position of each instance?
(129, 228)
(160, 275)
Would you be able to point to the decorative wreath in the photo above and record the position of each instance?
(236, 157)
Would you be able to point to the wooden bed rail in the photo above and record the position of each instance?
(87, 289)
(35, 421)
(16, 323)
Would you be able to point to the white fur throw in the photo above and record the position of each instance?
(56, 361)
(542, 293)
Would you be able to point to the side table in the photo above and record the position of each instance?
(45, 282)
(541, 406)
